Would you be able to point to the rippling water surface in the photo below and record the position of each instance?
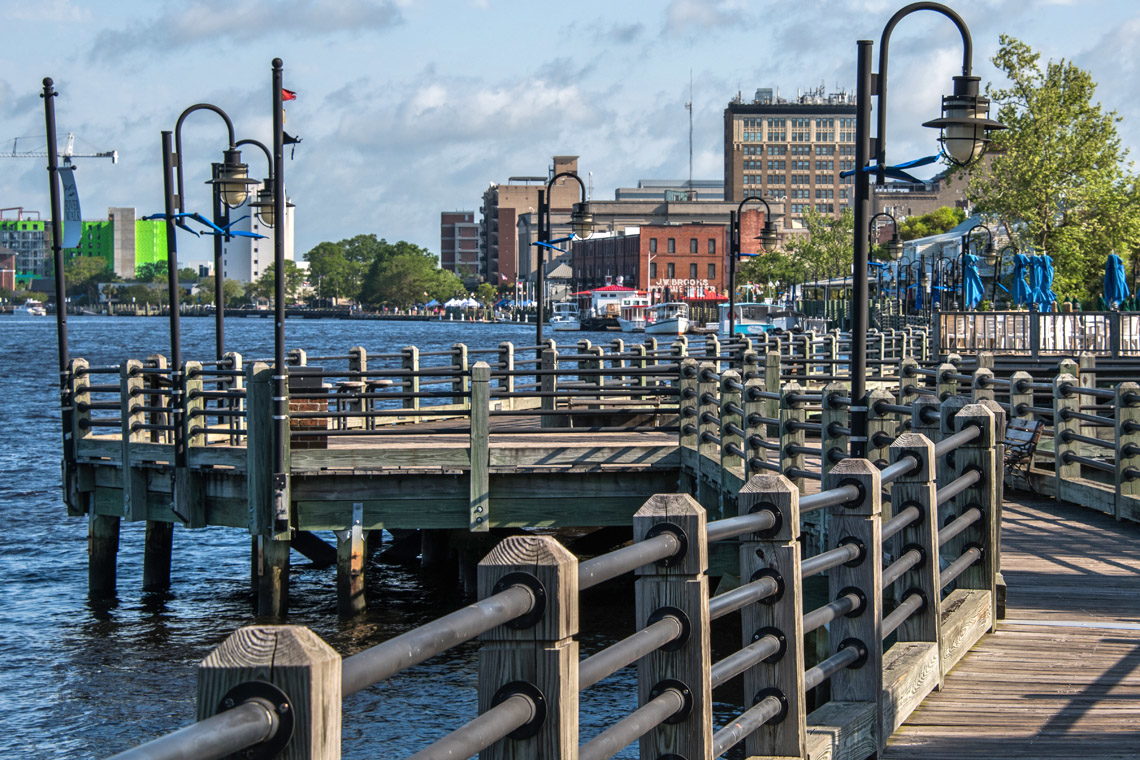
(87, 680)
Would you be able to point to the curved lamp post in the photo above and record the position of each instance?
(767, 238)
(964, 126)
(581, 224)
(997, 271)
(893, 248)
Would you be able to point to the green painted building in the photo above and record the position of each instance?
(121, 240)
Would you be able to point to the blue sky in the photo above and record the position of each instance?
(411, 107)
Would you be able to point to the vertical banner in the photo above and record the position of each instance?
(72, 217)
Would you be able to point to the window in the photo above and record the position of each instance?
(653, 270)
(798, 208)
(671, 246)
(801, 165)
(825, 123)
(801, 123)
(776, 179)
(776, 123)
(824, 193)
(712, 245)
(846, 165)
(712, 272)
(824, 179)
(801, 136)
(693, 245)
(777, 150)
(822, 166)
(777, 165)
(847, 150)
(777, 136)
(847, 124)
(825, 208)
(825, 136)
(798, 193)
(671, 271)
(801, 179)
(653, 245)
(824, 150)
(801, 150)
(692, 271)
(846, 137)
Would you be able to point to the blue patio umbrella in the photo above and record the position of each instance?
(1047, 294)
(918, 295)
(1115, 287)
(1021, 292)
(1036, 277)
(971, 282)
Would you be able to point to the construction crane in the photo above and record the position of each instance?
(67, 153)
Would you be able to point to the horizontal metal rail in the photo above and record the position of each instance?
(213, 738)
(1068, 436)
(731, 527)
(904, 518)
(830, 498)
(896, 569)
(959, 566)
(742, 596)
(893, 472)
(747, 722)
(824, 561)
(1069, 457)
(633, 726)
(629, 650)
(512, 713)
(958, 485)
(621, 561)
(741, 660)
(384, 660)
(821, 616)
(952, 442)
(1096, 419)
(1068, 389)
(907, 607)
(832, 665)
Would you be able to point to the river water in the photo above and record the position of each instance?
(87, 680)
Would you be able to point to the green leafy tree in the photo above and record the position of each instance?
(83, 275)
(1057, 179)
(265, 286)
(403, 274)
(231, 289)
(934, 223)
(825, 250)
(151, 271)
(486, 293)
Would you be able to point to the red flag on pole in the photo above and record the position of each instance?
(288, 94)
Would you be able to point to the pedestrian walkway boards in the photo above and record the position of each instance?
(1060, 678)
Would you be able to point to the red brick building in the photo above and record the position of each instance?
(459, 243)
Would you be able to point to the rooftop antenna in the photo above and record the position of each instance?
(689, 108)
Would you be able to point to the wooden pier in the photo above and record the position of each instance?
(725, 460)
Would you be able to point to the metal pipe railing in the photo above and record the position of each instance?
(213, 738)
(512, 713)
(958, 485)
(633, 726)
(629, 650)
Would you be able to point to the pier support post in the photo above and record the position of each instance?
(157, 549)
(350, 564)
(479, 452)
(536, 654)
(294, 660)
(102, 555)
(678, 583)
(272, 563)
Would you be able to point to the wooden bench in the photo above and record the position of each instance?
(1021, 438)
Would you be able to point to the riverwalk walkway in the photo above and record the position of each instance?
(1060, 676)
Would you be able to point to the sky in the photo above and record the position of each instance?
(408, 108)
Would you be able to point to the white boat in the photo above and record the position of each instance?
(671, 318)
(35, 308)
(565, 317)
(755, 318)
(634, 313)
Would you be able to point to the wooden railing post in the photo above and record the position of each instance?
(410, 363)
(462, 383)
(357, 359)
(537, 653)
(858, 521)
(235, 383)
(131, 384)
(1086, 363)
(598, 365)
(772, 385)
(908, 379)
(917, 489)
(642, 362)
(1127, 452)
(881, 428)
(754, 408)
(506, 365)
(680, 346)
(1021, 401)
(947, 387)
(548, 385)
(775, 553)
(689, 403)
(676, 584)
(791, 416)
(712, 350)
(708, 461)
(983, 384)
(1066, 473)
(479, 513)
(271, 547)
(981, 453)
(292, 669)
(834, 421)
(732, 465)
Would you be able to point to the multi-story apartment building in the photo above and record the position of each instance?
(459, 243)
(672, 190)
(122, 240)
(504, 204)
(791, 150)
(246, 259)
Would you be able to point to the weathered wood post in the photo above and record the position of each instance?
(506, 365)
(689, 404)
(733, 468)
(1065, 403)
(982, 384)
(232, 360)
(641, 362)
(271, 545)
(536, 653)
(859, 521)
(351, 564)
(1021, 395)
(598, 365)
(678, 583)
(460, 365)
(917, 489)
(479, 512)
(981, 454)
(191, 503)
(754, 409)
(548, 385)
(618, 361)
(908, 380)
(1086, 363)
(410, 384)
(712, 350)
(131, 385)
(102, 530)
(708, 447)
(792, 416)
(293, 672)
(775, 553)
(881, 428)
(772, 385)
(947, 385)
(1127, 476)
(834, 422)
(680, 346)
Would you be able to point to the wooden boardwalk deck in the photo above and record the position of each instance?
(1061, 676)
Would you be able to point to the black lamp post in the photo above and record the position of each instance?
(967, 238)
(893, 248)
(581, 223)
(767, 238)
(964, 125)
(997, 271)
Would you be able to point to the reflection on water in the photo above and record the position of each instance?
(84, 679)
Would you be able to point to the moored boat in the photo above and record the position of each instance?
(565, 317)
(670, 318)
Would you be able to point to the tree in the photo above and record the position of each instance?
(231, 289)
(403, 274)
(486, 293)
(826, 250)
(265, 286)
(84, 273)
(1057, 179)
(934, 223)
(187, 275)
(151, 271)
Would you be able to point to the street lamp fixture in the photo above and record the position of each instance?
(232, 180)
(768, 237)
(893, 247)
(965, 123)
(581, 220)
(581, 223)
(997, 271)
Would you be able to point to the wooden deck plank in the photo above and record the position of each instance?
(1061, 676)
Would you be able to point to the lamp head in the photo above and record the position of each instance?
(768, 235)
(233, 181)
(264, 206)
(965, 122)
(894, 248)
(582, 220)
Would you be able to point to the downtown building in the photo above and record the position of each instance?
(791, 150)
(246, 259)
(459, 244)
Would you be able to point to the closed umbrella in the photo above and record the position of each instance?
(971, 282)
(1020, 293)
(1115, 288)
(1047, 274)
(1036, 277)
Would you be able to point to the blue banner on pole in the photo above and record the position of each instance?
(72, 217)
